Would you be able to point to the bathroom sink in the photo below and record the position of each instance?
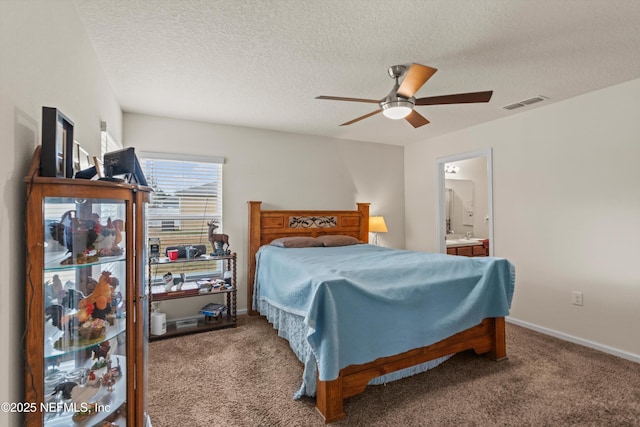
(463, 242)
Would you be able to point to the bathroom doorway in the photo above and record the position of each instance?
(465, 198)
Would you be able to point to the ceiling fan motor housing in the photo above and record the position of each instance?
(394, 106)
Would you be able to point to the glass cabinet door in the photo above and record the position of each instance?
(85, 286)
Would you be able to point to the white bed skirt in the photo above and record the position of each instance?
(292, 328)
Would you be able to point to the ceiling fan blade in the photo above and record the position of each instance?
(360, 118)
(416, 119)
(459, 98)
(339, 98)
(417, 75)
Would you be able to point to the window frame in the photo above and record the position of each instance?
(197, 271)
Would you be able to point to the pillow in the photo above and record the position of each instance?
(296, 242)
(338, 240)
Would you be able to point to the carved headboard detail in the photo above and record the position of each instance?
(266, 225)
(313, 221)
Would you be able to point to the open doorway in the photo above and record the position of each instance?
(465, 198)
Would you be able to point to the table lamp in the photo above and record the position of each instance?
(377, 225)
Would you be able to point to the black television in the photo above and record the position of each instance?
(124, 163)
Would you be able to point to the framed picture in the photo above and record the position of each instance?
(81, 159)
(76, 157)
(85, 159)
(57, 144)
(98, 164)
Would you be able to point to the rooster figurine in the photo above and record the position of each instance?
(98, 303)
(71, 226)
(108, 238)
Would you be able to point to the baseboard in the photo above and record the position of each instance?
(576, 340)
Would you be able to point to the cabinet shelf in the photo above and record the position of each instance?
(189, 289)
(71, 346)
(203, 326)
(201, 258)
(53, 261)
(110, 401)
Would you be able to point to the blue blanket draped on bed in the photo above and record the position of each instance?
(363, 302)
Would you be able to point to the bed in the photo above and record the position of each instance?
(357, 314)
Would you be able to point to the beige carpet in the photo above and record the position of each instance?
(247, 376)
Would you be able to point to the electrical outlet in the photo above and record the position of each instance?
(576, 298)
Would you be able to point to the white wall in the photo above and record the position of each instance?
(47, 60)
(566, 210)
(284, 171)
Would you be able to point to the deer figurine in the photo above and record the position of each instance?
(219, 242)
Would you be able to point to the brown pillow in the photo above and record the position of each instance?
(296, 242)
(338, 240)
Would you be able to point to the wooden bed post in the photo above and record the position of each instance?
(499, 347)
(329, 400)
(363, 208)
(254, 245)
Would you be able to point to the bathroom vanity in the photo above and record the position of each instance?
(468, 247)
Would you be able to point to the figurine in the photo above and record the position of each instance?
(168, 281)
(93, 380)
(57, 288)
(65, 388)
(64, 322)
(98, 303)
(87, 235)
(70, 225)
(101, 351)
(110, 235)
(108, 380)
(116, 371)
(218, 241)
(72, 299)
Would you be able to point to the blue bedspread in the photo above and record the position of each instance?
(363, 302)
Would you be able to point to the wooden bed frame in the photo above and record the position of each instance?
(265, 225)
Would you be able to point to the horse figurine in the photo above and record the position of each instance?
(219, 242)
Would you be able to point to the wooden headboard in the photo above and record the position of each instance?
(266, 225)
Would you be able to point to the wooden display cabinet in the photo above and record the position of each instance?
(86, 302)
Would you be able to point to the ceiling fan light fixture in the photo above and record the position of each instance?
(398, 109)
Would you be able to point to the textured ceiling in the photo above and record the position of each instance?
(261, 63)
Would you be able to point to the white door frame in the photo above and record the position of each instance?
(440, 217)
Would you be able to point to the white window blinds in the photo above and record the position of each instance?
(187, 195)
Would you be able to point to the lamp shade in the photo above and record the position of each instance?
(377, 224)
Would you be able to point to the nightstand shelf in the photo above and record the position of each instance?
(199, 287)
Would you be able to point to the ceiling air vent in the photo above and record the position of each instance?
(525, 102)
(513, 106)
(532, 100)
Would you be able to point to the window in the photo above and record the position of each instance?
(187, 197)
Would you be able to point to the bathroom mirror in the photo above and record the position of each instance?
(465, 211)
(459, 207)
